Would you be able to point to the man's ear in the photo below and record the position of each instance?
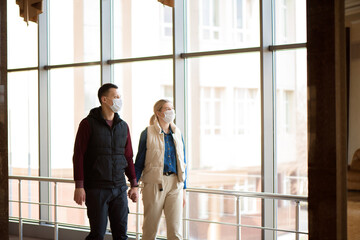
(103, 99)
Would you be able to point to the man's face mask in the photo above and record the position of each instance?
(117, 104)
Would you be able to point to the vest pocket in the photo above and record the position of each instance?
(102, 169)
(120, 164)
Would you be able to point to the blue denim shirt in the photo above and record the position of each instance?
(170, 153)
(169, 158)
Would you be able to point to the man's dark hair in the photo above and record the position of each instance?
(104, 89)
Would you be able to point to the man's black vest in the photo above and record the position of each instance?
(104, 160)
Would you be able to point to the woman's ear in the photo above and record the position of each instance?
(158, 114)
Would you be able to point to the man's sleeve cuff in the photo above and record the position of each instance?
(133, 183)
(79, 184)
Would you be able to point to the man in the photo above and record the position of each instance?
(102, 154)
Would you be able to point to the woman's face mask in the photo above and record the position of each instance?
(169, 116)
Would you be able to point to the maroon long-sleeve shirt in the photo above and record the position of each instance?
(81, 143)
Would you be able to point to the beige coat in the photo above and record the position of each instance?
(155, 150)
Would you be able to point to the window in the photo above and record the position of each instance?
(18, 30)
(227, 125)
(290, 21)
(67, 110)
(291, 121)
(141, 28)
(203, 206)
(23, 141)
(76, 37)
(239, 20)
(211, 19)
(166, 21)
(283, 8)
(248, 205)
(23, 123)
(141, 84)
(219, 25)
(285, 108)
(211, 110)
(168, 92)
(245, 110)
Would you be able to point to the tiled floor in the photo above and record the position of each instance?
(24, 238)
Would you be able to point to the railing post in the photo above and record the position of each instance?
(138, 220)
(238, 217)
(297, 218)
(185, 217)
(56, 235)
(20, 218)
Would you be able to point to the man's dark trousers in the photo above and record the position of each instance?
(104, 202)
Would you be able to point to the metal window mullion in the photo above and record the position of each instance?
(267, 112)
(44, 113)
(179, 81)
(56, 224)
(238, 217)
(105, 40)
(179, 64)
(20, 213)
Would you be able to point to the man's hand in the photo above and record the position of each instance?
(133, 194)
(79, 195)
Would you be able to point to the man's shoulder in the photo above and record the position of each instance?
(122, 122)
(84, 122)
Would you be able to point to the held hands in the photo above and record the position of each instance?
(79, 195)
(133, 194)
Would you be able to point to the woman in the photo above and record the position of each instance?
(161, 164)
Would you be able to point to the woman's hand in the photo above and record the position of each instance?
(184, 198)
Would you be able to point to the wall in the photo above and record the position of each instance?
(354, 98)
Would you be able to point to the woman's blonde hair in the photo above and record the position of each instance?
(157, 108)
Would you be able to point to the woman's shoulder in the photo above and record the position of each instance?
(175, 129)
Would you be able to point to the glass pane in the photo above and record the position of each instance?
(291, 121)
(211, 208)
(23, 123)
(13, 196)
(134, 36)
(29, 193)
(69, 215)
(22, 39)
(290, 21)
(291, 236)
(74, 31)
(73, 92)
(141, 84)
(216, 25)
(224, 135)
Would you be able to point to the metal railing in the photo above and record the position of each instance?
(186, 219)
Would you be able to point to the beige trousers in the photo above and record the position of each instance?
(170, 199)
